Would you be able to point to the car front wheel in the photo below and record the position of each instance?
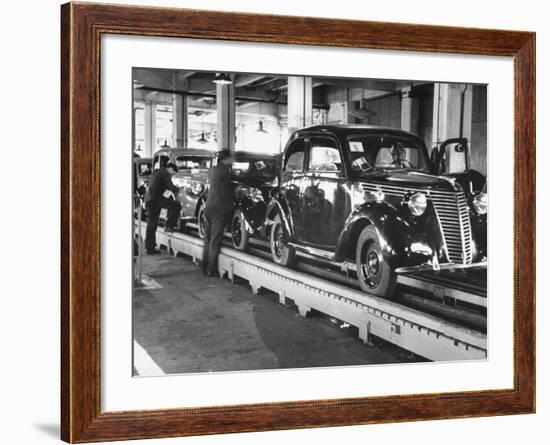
(281, 252)
(239, 234)
(374, 274)
(201, 221)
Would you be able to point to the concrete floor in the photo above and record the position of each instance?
(195, 323)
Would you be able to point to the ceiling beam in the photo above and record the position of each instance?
(247, 79)
(366, 84)
(182, 75)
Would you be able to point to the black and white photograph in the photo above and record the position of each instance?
(285, 221)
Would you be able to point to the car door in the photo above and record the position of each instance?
(292, 177)
(324, 196)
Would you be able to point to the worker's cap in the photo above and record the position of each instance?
(172, 166)
(225, 153)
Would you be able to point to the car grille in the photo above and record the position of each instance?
(453, 215)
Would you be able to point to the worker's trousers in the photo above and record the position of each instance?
(214, 227)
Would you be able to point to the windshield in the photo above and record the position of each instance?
(266, 169)
(193, 162)
(387, 152)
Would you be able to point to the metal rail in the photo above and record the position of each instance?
(441, 291)
(411, 329)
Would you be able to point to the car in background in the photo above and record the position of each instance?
(191, 178)
(369, 199)
(143, 169)
(255, 176)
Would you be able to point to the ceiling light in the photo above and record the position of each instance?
(261, 127)
(202, 139)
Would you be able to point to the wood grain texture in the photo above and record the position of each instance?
(82, 26)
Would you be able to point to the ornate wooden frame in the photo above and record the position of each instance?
(81, 27)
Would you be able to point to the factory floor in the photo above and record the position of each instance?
(185, 322)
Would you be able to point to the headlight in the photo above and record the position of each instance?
(256, 195)
(417, 203)
(197, 188)
(479, 203)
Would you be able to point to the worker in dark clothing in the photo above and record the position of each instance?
(161, 194)
(218, 210)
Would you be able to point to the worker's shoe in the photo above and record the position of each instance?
(169, 230)
(153, 252)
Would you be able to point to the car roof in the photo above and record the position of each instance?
(255, 154)
(180, 151)
(343, 130)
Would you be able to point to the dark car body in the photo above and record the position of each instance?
(337, 180)
(255, 176)
(143, 169)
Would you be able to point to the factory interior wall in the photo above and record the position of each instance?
(387, 111)
(478, 145)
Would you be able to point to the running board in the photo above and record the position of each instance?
(313, 251)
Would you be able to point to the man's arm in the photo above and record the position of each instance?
(168, 184)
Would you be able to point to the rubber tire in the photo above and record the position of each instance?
(386, 286)
(245, 236)
(200, 221)
(289, 254)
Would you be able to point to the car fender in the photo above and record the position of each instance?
(471, 181)
(200, 201)
(278, 206)
(389, 225)
(253, 213)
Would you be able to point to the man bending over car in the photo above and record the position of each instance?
(161, 194)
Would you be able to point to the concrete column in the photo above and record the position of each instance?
(225, 102)
(300, 102)
(452, 117)
(150, 129)
(448, 109)
(409, 111)
(180, 123)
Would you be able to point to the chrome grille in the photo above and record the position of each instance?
(453, 215)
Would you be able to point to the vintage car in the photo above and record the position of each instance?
(255, 176)
(193, 165)
(143, 168)
(369, 198)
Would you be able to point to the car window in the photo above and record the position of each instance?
(160, 161)
(164, 160)
(144, 169)
(191, 162)
(295, 156)
(256, 168)
(388, 152)
(324, 156)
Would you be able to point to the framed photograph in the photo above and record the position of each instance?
(275, 222)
